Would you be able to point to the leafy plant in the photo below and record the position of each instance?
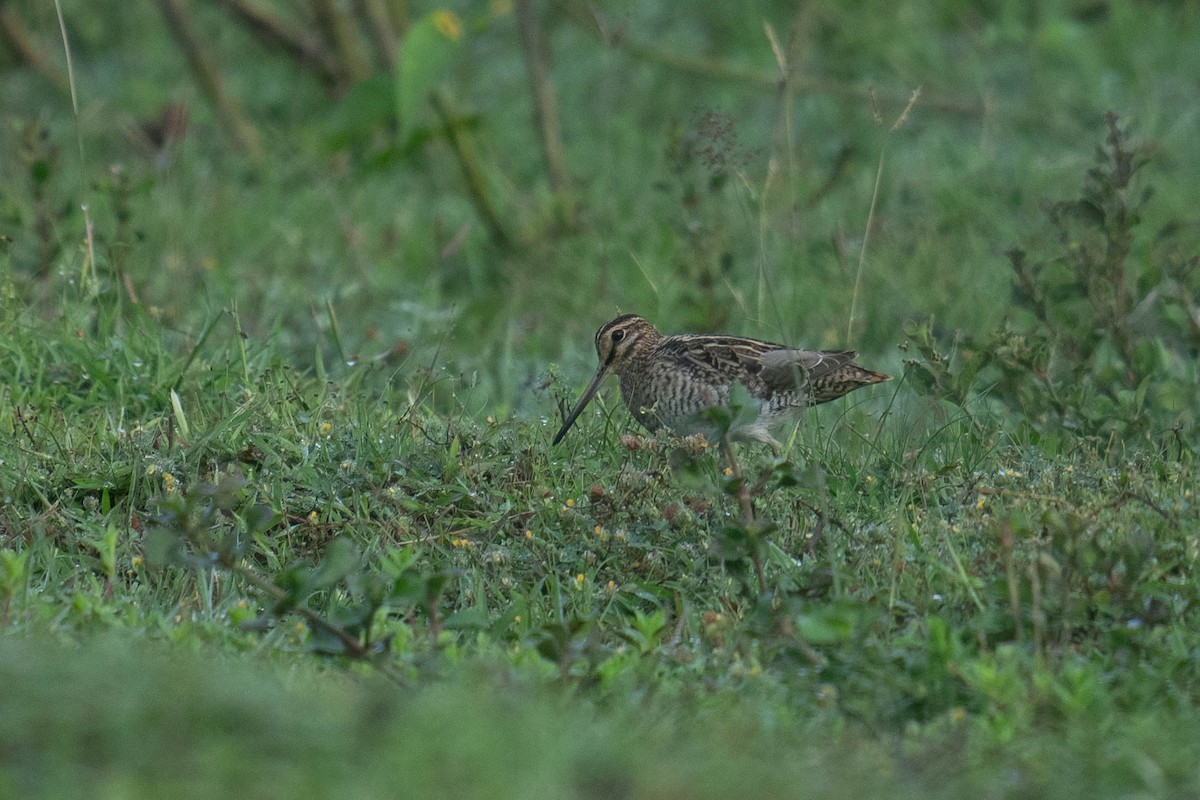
(213, 525)
(1104, 329)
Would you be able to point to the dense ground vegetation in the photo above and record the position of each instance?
(283, 343)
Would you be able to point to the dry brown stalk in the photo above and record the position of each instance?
(204, 69)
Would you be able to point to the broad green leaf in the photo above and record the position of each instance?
(341, 557)
(369, 104)
(825, 627)
(467, 619)
(426, 55)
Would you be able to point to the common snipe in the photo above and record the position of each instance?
(667, 381)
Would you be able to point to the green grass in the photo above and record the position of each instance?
(287, 405)
(126, 720)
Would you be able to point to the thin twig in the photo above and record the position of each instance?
(831, 180)
(1035, 606)
(277, 33)
(746, 504)
(354, 648)
(862, 253)
(204, 70)
(339, 29)
(824, 515)
(90, 263)
(545, 105)
(472, 170)
(784, 117)
(377, 20)
(1010, 571)
(14, 32)
(591, 22)
(398, 14)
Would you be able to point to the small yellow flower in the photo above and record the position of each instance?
(345, 466)
(728, 472)
(491, 420)
(151, 469)
(870, 479)
(137, 561)
(312, 518)
(979, 504)
(598, 530)
(517, 618)
(448, 23)
(528, 534)
(169, 482)
(570, 502)
(326, 427)
(579, 579)
(611, 586)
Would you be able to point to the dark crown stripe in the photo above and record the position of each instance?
(616, 323)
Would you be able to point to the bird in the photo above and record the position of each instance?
(670, 381)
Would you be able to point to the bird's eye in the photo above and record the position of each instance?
(617, 336)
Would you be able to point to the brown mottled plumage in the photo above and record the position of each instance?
(667, 381)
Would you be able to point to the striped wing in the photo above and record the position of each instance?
(800, 370)
(784, 375)
(720, 360)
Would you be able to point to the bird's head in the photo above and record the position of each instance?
(616, 343)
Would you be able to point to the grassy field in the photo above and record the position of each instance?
(279, 513)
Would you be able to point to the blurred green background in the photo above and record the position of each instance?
(704, 192)
(292, 291)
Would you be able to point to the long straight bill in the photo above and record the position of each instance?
(588, 393)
